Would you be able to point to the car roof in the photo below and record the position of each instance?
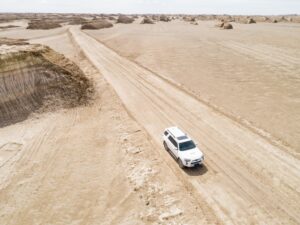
(178, 134)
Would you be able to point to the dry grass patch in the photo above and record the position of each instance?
(8, 26)
(164, 18)
(250, 21)
(224, 25)
(9, 41)
(78, 21)
(124, 19)
(112, 18)
(227, 26)
(96, 25)
(147, 20)
(42, 25)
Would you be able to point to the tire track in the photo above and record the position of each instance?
(249, 188)
(161, 103)
(276, 58)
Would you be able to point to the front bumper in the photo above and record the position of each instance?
(194, 163)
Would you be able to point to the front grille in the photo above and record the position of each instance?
(196, 161)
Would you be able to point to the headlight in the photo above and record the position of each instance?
(187, 160)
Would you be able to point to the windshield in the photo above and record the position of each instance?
(187, 145)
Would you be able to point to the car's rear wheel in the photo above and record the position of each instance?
(180, 163)
(166, 146)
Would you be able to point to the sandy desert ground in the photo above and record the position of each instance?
(256, 66)
(90, 165)
(236, 92)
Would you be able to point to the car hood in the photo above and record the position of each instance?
(191, 154)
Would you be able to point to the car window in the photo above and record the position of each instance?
(173, 141)
(187, 145)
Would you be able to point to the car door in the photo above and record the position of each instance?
(173, 146)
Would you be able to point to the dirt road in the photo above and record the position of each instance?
(246, 180)
(91, 164)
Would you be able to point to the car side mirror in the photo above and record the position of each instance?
(176, 149)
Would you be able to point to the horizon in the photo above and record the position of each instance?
(141, 14)
(205, 7)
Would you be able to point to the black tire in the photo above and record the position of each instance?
(166, 146)
(180, 163)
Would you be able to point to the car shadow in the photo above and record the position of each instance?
(192, 171)
(196, 171)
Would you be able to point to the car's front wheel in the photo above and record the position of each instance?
(180, 163)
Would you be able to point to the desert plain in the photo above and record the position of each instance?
(83, 112)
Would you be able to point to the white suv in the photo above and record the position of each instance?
(182, 147)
